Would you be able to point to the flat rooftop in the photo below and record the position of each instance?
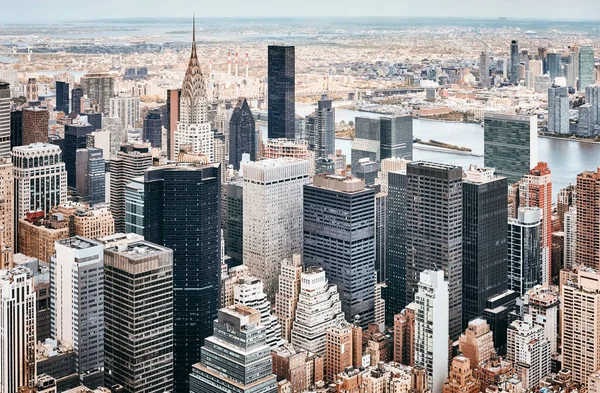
(78, 243)
(139, 249)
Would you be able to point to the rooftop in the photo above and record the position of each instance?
(137, 250)
(8, 274)
(78, 243)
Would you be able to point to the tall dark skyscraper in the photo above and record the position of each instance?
(395, 293)
(75, 138)
(233, 232)
(324, 129)
(514, 62)
(16, 128)
(76, 95)
(282, 92)
(62, 97)
(554, 65)
(434, 230)
(339, 235)
(242, 134)
(485, 213)
(90, 175)
(153, 128)
(95, 119)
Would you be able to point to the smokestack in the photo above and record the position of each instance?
(236, 65)
(246, 65)
(228, 63)
(210, 66)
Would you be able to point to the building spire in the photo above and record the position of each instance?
(194, 27)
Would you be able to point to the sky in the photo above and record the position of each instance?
(14, 11)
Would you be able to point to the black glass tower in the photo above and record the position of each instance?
(95, 119)
(484, 247)
(153, 128)
(242, 134)
(75, 138)
(16, 128)
(281, 92)
(62, 97)
(76, 95)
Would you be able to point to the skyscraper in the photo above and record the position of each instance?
(194, 132)
(16, 128)
(242, 134)
(62, 97)
(554, 65)
(460, 378)
(510, 144)
(233, 231)
(524, 250)
(138, 298)
(127, 109)
(570, 229)
(47, 177)
(17, 322)
(529, 351)
(477, 343)
(281, 91)
(588, 219)
(90, 185)
(273, 216)
(535, 190)
(324, 132)
(404, 336)
(434, 231)
(339, 235)
(484, 69)
(5, 120)
(514, 62)
(7, 213)
(153, 128)
(131, 161)
(77, 304)
(75, 138)
(100, 88)
(558, 110)
(173, 98)
(319, 308)
(431, 327)
(238, 349)
(338, 349)
(76, 96)
(484, 245)
(286, 299)
(35, 125)
(586, 67)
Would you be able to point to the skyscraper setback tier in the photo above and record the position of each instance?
(434, 230)
(281, 92)
(339, 235)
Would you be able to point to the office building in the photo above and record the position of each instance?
(324, 165)
(586, 67)
(580, 321)
(93, 118)
(38, 167)
(77, 304)
(324, 130)
(273, 216)
(535, 190)
(99, 88)
(460, 378)
(87, 221)
(62, 97)
(37, 235)
(138, 298)
(249, 292)
(194, 133)
(499, 313)
(301, 368)
(525, 250)
(153, 128)
(554, 65)
(90, 172)
(57, 361)
(242, 134)
(484, 70)
(233, 231)
(541, 302)
(127, 109)
(434, 230)
(319, 308)
(236, 357)
(570, 231)
(17, 322)
(286, 299)
(173, 98)
(529, 351)
(6, 123)
(366, 170)
(281, 91)
(588, 223)
(477, 342)
(75, 138)
(40, 275)
(431, 327)
(514, 63)
(386, 137)
(381, 237)
(404, 336)
(35, 125)
(131, 161)
(510, 144)
(566, 200)
(76, 97)
(592, 98)
(31, 90)
(7, 213)
(338, 350)
(16, 128)
(558, 110)
(484, 244)
(339, 235)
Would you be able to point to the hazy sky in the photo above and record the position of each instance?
(40, 10)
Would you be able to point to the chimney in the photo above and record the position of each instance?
(228, 63)
(236, 65)
(246, 65)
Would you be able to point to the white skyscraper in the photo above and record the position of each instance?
(127, 109)
(193, 128)
(17, 330)
(77, 303)
(558, 110)
(431, 327)
(273, 216)
(40, 178)
(319, 308)
(570, 237)
(529, 351)
(249, 292)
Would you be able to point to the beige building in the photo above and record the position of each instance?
(477, 343)
(404, 336)
(7, 214)
(461, 378)
(86, 221)
(593, 382)
(286, 298)
(301, 368)
(36, 234)
(338, 350)
(228, 280)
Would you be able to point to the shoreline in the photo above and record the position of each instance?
(419, 146)
(579, 140)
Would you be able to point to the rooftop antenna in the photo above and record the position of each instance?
(194, 27)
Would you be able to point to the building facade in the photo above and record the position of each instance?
(588, 219)
(35, 125)
(281, 92)
(242, 134)
(524, 250)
